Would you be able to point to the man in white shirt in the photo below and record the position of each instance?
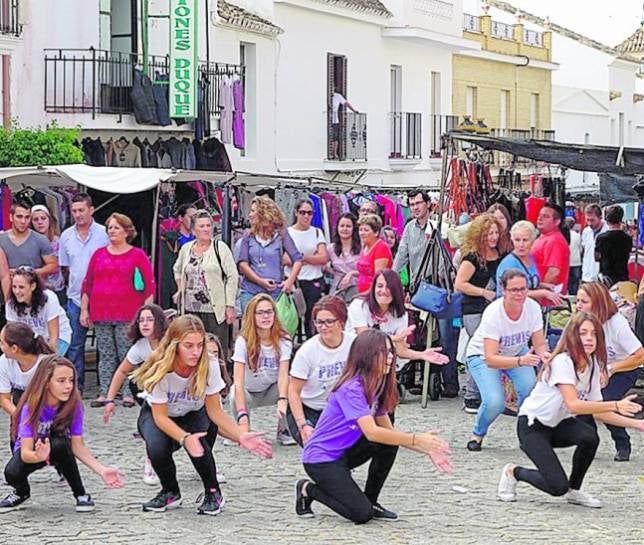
(596, 225)
(337, 100)
(575, 256)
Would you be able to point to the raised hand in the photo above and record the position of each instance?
(253, 441)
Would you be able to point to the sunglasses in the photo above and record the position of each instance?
(305, 212)
(25, 269)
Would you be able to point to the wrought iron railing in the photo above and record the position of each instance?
(440, 125)
(9, 20)
(405, 135)
(97, 81)
(347, 136)
(502, 30)
(505, 159)
(471, 23)
(532, 37)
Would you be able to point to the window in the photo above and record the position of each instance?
(123, 26)
(436, 93)
(534, 111)
(396, 88)
(470, 102)
(105, 25)
(504, 110)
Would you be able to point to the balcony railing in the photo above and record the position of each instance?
(9, 20)
(532, 37)
(405, 128)
(440, 125)
(502, 30)
(525, 134)
(100, 82)
(472, 23)
(347, 136)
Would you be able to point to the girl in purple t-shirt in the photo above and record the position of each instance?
(355, 427)
(47, 428)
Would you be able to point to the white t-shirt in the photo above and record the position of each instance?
(50, 310)
(337, 100)
(12, 377)
(575, 249)
(139, 351)
(590, 267)
(546, 403)
(307, 243)
(173, 390)
(513, 336)
(320, 366)
(621, 342)
(267, 364)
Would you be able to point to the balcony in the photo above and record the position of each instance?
(532, 37)
(9, 20)
(97, 81)
(502, 30)
(405, 135)
(471, 23)
(440, 125)
(346, 136)
(525, 134)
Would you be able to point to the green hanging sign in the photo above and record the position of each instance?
(183, 58)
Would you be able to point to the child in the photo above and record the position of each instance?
(569, 385)
(47, 427)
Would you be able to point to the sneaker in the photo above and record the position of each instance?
(380, 513)
(221, 478)
(149, 476)
(578, 497)
(450, 391)
(212, 502)
(507, 490)
(12, 501)
(471, 406)
(162, 501)
(474, 445)
(285, 439)
(302, 502)
(229, 442)
(623, 455)
(84, 504)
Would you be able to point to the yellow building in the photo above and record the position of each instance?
(507, 83)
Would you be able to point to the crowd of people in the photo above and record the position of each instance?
(199, 371)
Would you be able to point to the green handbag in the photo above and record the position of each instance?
(137, 280)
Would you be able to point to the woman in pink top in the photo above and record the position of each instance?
(375, 255)
(119, 280)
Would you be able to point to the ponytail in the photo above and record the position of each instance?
(22, 336)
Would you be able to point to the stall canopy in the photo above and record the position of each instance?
(609, 159)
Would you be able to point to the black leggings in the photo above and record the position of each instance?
(17, 472)
(160, 448)
(312, 291)
(309, 414)
(539, 441)
(334, 486)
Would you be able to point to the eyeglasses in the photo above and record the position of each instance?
(305, 212)
(326, 323)
(517, 291)
(146, 320)
(266, 313)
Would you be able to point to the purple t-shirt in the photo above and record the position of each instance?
(26, 430)
(338, 430)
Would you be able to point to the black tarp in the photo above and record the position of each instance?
(614, 188)
(601, 159)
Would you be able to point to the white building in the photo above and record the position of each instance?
(391, 59)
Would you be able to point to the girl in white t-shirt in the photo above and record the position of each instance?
(569, 384)
(183, 409)
(316, 367)
(260, 372)
(624, 353)
(39, 308)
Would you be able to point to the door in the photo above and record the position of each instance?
(336, 81)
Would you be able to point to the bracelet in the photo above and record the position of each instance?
(241, 415)
(413, 439)
(108, 402)
(282, 398)
(617, 408)
(183, 439)
(519, 361)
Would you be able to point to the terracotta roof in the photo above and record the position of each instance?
(374, 7)
(634, 44)
(236, 16)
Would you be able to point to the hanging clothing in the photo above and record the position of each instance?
(125, 154)
(143, 101)
(239, 140)
(226, 105)
(161, 94)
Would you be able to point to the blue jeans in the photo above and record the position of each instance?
(489, 383)
(449, 342)
(76, 351)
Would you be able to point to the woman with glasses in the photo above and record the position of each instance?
(523, 235)
(500, 345)
(261, 253)
(316, 366)
(261, 359)
(119, 281)
(355, 428)
(311, 244)
(39, 308)
(206, 277)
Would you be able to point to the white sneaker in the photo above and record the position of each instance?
(578, 497)
(221, 477)
(285, 439)
(507, 490)
(149, 476)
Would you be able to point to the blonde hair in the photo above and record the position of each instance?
(372, 220)
(249, 331)
(476, 237)
(161, 361)
(269, 217)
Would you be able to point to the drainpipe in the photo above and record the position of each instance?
(6, 92)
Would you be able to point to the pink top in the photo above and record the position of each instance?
(109, 283)
(366, 265)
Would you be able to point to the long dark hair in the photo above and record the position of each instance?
(392, 279)
(22, 336)
(367, 359)
(355, 237)
(160, 323)
(38, 297)
(35, 396)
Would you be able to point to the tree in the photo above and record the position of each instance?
(37, 147)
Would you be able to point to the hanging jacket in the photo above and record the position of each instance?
(143, 102)
(161, 92)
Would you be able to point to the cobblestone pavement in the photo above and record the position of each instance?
(259, 495)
